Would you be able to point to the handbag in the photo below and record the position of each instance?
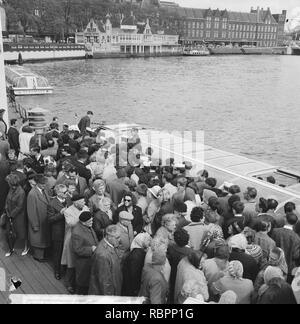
(3, 220)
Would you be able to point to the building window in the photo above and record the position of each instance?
(202, 25)
(224, 35)
(217, 23)
(208, 34)
(216, 35)
(208, 22)
(201, 33)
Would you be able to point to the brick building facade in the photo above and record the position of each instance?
(258, 27)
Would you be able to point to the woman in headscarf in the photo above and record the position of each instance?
(253, 249)
(234, 281)
(103, 217)
(238, 244)
(159, 243)
(188, 269)
(134, 264)
(275, 290)
(216, 267)
(207, 194)
(99, 189)
(192, 293)
(276, 259)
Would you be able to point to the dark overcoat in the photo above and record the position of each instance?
(83, 239)
(38, 225)
(15, 208)
(106, 274)
(56, 219)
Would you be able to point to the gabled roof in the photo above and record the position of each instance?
(141, 28)
(193, 13)
(242, 17)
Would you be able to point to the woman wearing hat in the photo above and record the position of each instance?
(129, 205)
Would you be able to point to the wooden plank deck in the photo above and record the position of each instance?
(37, 278)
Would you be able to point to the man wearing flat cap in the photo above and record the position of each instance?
(126, 233)
(84, 243)
(38, 225)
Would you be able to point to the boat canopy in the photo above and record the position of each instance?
(19, 77)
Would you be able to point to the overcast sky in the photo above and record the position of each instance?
(242, 5)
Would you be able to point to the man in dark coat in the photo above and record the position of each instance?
(13, 136)
(80, 165)
(38, 164)
(38, 225)
(72, 174)
(84, 244)
(117, 188)
(106, 274)
(154, 286)
(289, 242)
(176, 252)
(19, 171)
(56, 209)
(85, 122)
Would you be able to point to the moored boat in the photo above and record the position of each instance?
(196, 52)
(224, 166)
(23, 82)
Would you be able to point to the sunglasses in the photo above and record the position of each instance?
(128, 200)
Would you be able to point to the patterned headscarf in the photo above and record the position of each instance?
(236, 269)
(271, 273)
(239, 242)
(141, 241)
(228, 298)
(280, 262)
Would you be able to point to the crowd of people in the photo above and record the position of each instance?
(112, 222)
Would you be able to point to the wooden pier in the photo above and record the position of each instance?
(37, 278)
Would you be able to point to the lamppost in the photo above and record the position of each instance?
(3, 97)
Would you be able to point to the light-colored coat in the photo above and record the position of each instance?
(71, 218)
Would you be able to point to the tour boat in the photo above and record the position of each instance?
(196, 52)
(224, 166)
(23, 82)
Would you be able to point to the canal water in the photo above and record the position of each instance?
(249, 105)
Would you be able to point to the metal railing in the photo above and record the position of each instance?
(18, 108)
